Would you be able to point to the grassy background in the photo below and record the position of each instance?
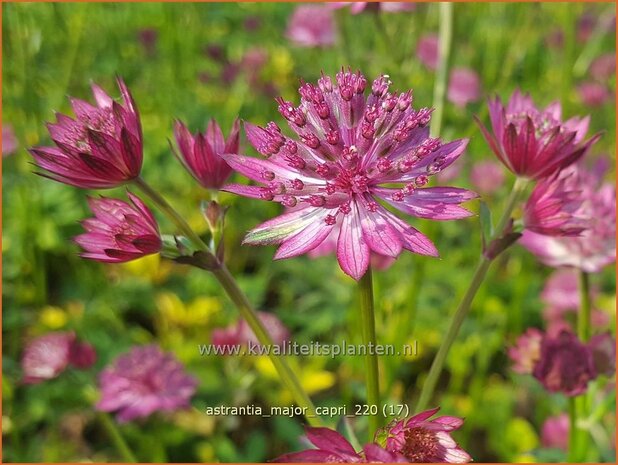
(54, 50)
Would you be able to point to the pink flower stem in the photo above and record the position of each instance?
(444, 50)
(116, 438)
(579, 406)
(463, 308)
(239, 299)
(371, 359)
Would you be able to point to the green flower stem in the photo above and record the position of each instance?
(466, 302)
(578, 406)
(369, 340)
(230, 285)
(116, 438)
(239, 299)
(444, 49)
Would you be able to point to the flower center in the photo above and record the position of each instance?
(421, 445)
(352, 181)
(543, 122)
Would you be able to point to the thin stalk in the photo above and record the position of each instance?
(365, 286)
(116, 438)
(444, 49)
(572, 451)
(583, 317)
(239, 299)
(237, 296)
(464, 306)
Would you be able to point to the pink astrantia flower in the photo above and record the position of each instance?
(487, 177)
(526, 351)
(603, 67)
(535, 143)
(593, 94)
(332, 447)
(554, 207)
(241, 333)
(565, 365)
(427, 51)
(421, 440)
(555, 432)
(101, 148)
(119, 231)
(9, 141)
(143, 381)
(464, 86)
(596, 246)
(387, 7)
(351, 151)
(47, 356)
(201, 153)
(311, 26)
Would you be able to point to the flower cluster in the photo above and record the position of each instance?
(418, 439)
(350, 153)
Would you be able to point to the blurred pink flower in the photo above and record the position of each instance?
(561, 290)
(586, 24)
(9, 141)
(487, 177)
(452, 173)
(240, 333)
(332, 447)
(555, 39)
(148, 39)
(596, 246)
(603, 67)
(102, 148)
(565, 365)
(464, 86)
(349, 147)
(311, 26)
(603, 348)
(427, 50)
(47, 356)
(555, 432)
(554, 207)
(143, 381)
(421, 440)
(527, 351)
(593, 94)
(200, 153)
(387, 7)
(119, 232)
(535, 143)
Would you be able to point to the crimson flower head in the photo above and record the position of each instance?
(421, 440)
(143, 381)
(535, 143)
(49, 355)
(565, 364)
(201, 153)
(332, 447)
(595, 247)
(351, 152)
(100, 148)
(554, 207)
(119, 231)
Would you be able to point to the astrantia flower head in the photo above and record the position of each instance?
(101, 148)
(526, 351)
(332, 447)
(464, 86)
(422, 440)
(535, 143)
(144, 381)
(311, 26)
(119, 231)
(595, 247)
(47, 356)
(565, 364)
(351, 152)
(201, 153)
(553, 208)
(241, 333)
(555, 432)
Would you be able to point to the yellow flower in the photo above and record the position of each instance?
(150, 267)
(175, 312)
(53, 317)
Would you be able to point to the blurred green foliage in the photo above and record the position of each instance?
(165, 53)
